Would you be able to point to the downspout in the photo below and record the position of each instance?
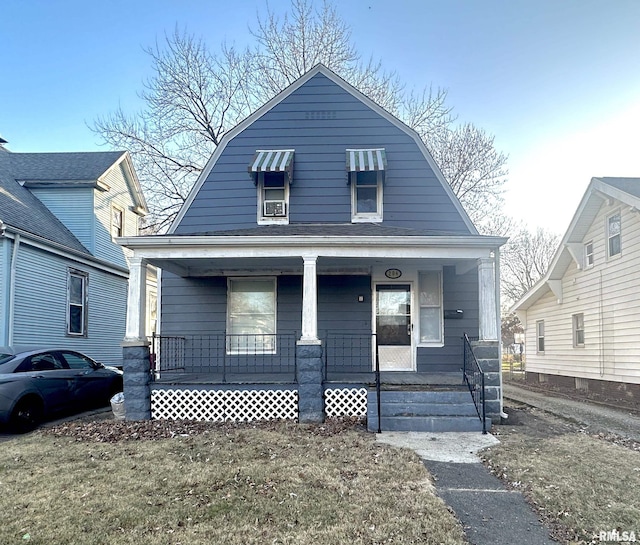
(12, 287)
(499, 328)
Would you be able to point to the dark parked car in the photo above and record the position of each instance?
(36, 384)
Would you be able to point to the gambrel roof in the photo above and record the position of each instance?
(320, 70)
(625, 190)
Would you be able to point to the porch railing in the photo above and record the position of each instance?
(473, 376)
(346, 353)
(225, 357)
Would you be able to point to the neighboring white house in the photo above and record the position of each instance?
(582, 320)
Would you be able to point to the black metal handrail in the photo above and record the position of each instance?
(473, 375)
(347, 352)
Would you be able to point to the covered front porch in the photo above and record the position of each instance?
(343, 308)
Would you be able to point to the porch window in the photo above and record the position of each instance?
(430, 300)
(366, 169)
(77, 303)
(540, 336)
(578, 330)
(251, 316)
(273, 174)
(614, 231)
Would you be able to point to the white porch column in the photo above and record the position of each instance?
(488, 330)
(310, 301)
(135, 331)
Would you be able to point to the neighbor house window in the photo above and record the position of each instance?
(588, 255)
(366, 168)
(117, 222)
(273, 200)
(77, 303)
(430, 304)
(578, 330)
(540, 337)
(614, 230)
(251, 316)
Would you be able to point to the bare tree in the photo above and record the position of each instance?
(525, 260)
(195, 97)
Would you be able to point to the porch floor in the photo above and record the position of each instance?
(390, 378)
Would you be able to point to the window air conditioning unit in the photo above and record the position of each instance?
(275, 208)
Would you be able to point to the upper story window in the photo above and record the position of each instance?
(366, 175)
(614, 232)
(77, 303)
(273, 175)
(117, 221)
(588, 255)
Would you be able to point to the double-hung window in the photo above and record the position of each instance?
(77, 303)
(578, 330)
(588, 255)
(251, 316)
(430, 301)
(366, 169)
(614, 232)
(272, 171)
(540, 336)
(117, 221)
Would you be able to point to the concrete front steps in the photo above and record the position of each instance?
(423, 410)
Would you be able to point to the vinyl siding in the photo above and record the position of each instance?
(608, 294)
(74, 208)
(105, 247)
(320, 121)
(40, 306)
(5, 257)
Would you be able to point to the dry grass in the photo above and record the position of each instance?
(580, 484)
(283, 485)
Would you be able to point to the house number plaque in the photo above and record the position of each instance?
(393, 273)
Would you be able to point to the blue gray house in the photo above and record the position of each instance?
(63, 278)
(320, 250)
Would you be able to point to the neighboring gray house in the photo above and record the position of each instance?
(63, 279)
(320, 234)
(582, 320)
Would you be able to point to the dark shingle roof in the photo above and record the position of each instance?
(60, 166)
(19, 208)
(326, 229)
(628, 185)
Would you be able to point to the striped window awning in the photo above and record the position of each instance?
(273, 160)
(366, 159)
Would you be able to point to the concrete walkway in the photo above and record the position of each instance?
(490, 514)
(594, 417)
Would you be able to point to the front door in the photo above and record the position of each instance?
(393, 327)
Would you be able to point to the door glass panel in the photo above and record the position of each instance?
(393, 320)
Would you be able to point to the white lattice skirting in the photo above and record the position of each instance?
(345, 401)
(224, 405)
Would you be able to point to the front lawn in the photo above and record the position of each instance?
(275, 484)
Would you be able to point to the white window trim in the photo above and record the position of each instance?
(273, 279)
(439, 343)
(121, 210)
(85, 300)
(371, 216)
(608, 238)
(538, 336)
(268, 220)
(574, 327)
(588, 265)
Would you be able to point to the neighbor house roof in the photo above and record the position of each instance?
(21, 210)
(625, 190)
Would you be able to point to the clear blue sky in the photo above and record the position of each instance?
(557, 82)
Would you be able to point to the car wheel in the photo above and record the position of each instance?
(26, 415)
